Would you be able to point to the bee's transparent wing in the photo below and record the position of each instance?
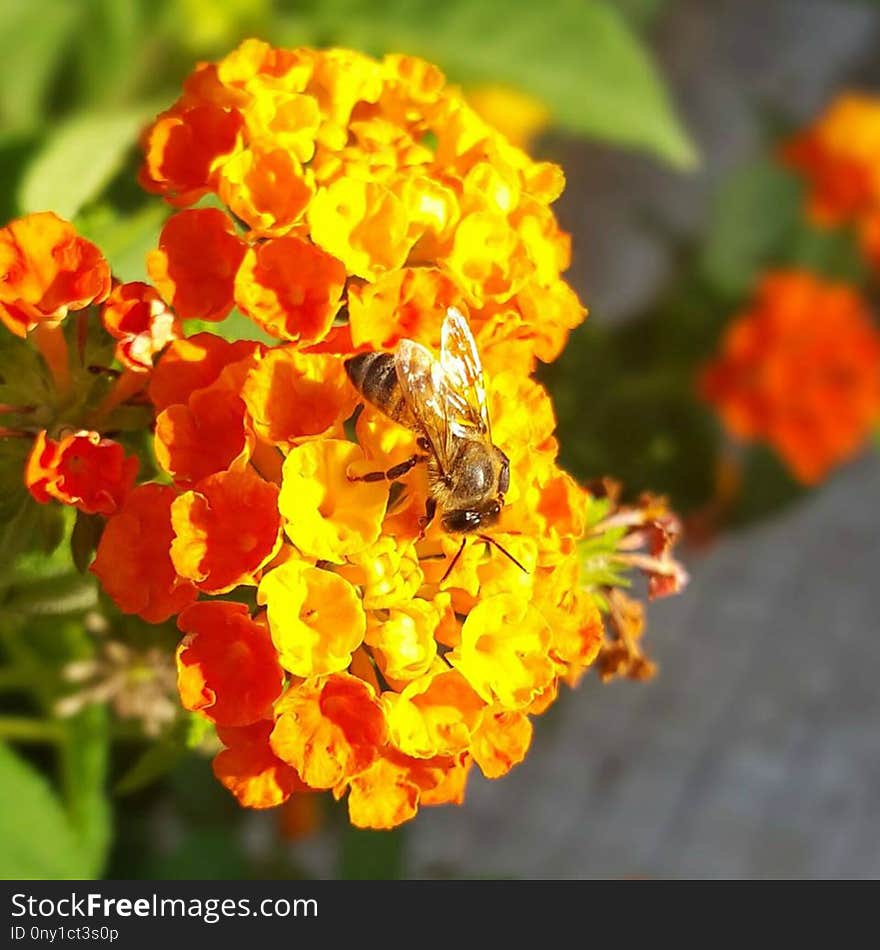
(463, 372)
(428, 396)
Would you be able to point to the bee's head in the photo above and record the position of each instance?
(468, 520)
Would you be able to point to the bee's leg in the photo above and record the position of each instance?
(393, 473)
(427, 517)
(454, 561)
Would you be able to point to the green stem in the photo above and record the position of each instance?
(12, 677)
(25, 729)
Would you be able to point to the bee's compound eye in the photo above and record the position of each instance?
(461, 521)
(504, 476)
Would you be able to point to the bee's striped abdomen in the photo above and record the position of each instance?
(375, 377)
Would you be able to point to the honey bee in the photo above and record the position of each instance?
(444, 402)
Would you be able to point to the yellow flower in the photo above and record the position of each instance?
(326, 515)
(433, 715)
(315, 618)
(516, 114)
(402, 638)
(363, 224)
(387, 572)
(503, 651)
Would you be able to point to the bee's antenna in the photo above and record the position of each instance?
(454, 561)
(501, 548)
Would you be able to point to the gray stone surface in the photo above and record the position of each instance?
(755, 753)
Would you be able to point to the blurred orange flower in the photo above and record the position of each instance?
(799, 369)
(839, 156)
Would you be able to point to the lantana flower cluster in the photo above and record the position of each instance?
(343, 204)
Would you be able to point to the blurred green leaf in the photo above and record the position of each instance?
(579, 56)
(371, 855)
(78, 160)
(108, 51)
(767, 487)
(15, 151)
(235, 327)
(32, 39)
(84, 760)
(126, 238)
(641, 13)
(163, 755)
(39, 841)
(756, 211)
(156, 761)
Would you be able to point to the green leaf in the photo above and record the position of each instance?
(32, 39)
(84, 539)
(78, 160)
(39, 840)
(579, 56)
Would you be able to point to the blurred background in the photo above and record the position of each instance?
(754, 752)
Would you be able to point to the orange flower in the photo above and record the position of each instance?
(209, 434)
(46, 269)
(225, 530)
(83, 470)
(135, 315)
(195, 264)
(390, 791)
(290, 288)
(227, 668)
(191, 364)
(294, 396)
(269, 191)
(501, 741)
(404, 304)
(250, 769)
(329, 730)
(133, 562)
(800, 369)
(185, 148)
